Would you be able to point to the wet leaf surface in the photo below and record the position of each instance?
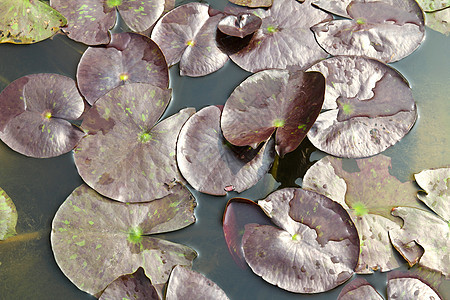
(402, 286)
(187, 35)
(28, 21)
(241, 25)
(273, 100)
(212, 165)
(128, 58)
(125, 156)
(8, 216)
(370, 107)
(316, 248)
(188, 284)
(40, 106)
(96, 240)
(359, 289)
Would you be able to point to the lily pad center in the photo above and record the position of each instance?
(360, 209)
(113, 3)
(278, 123)
(47, 115)
(272, 29)
(135, 235)
(145, 137)
(123, 76)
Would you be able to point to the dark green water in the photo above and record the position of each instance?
(39, 186)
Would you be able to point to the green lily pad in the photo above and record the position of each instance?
(433, 5)
(439, 21)
(8, 216)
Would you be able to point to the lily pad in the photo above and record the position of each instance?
(316, 248)
(128, 58)
(187, 284)
(273, 100)
(8, 216)
(187, 35)
(96, 240)
(241, 25)
(284, 39)
(125, 156)
(370, 107)
(378, 30)
(368, 195)
(433, 5)
(401, 285)
(28, 21)
(90, 20)
(359, 289)
(212, 165)
(253, 3)
(41, 130)
(439, 21)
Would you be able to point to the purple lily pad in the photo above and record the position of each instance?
(378, 30)
(368, 196)
(96, 240)
(188, 284)
(212, 165)
(370, 107)
(284, 39)
(406, 286)
(8, 216)
(187, 35)
(131, 287)
(37, 109)
(359, 289)
(129, 58)
(90, 20)
(125, 156)
(273, 100)
(253, 3)
(241, 25)
(316, 248)
(26, 22)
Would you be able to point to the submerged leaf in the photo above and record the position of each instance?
(28, 21)
(240, 26)
(8, 216)
(95, 240)
(359, 289)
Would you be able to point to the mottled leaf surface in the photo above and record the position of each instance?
(433, 5)
(41, 130)
(359, 289)
(314, 250)
(370, 107)
(28, 21)
(8, 216)
(284, 38)
(253, 3)
(185, 284)
(96, 240)
(125, 156)
(439, 21)
(128, 58)
(273, 100)
(241, 25)
(402, 286)
(212, 165)
(187, 35)
(11, 101)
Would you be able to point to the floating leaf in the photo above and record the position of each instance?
(125, 156)
(368, 195)
(240, 26)
(273, 100)
(370, 107)
(212, 165)
(433, 5)
(187, 284)
(284, 38)
(41, 130)
(359, 289)
(316, 249)
(8, 216)
(253, 3)
(378, 30)
(439, 21)
(28, 21)
(129, 57)
(96, 240)
(187, 35)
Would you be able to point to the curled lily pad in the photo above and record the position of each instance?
(240, 26)
(284, 38)
(96, 240)
(41, 129)
(188, 284)
(187, 35)
(8, 216)
(212, 165)
(90, 20)
(128, 58)
(273, 100)
(28, 21)
(125, 156)
(368, 195)
(371, 107)
(378, 30)
(359, 289)
(316, 248)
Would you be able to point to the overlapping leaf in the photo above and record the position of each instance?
(253, 3)
(187, 35)
(128, 58)
(96, 240)
(273, 100)
(35, 110)
(439, 21)
(370, 107)
(8, 216)
(241, 25)
(433, 5)
(359, 289)
(125, 156)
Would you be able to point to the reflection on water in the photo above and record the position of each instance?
(38, 187)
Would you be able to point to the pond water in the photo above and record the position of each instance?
(39, 186)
